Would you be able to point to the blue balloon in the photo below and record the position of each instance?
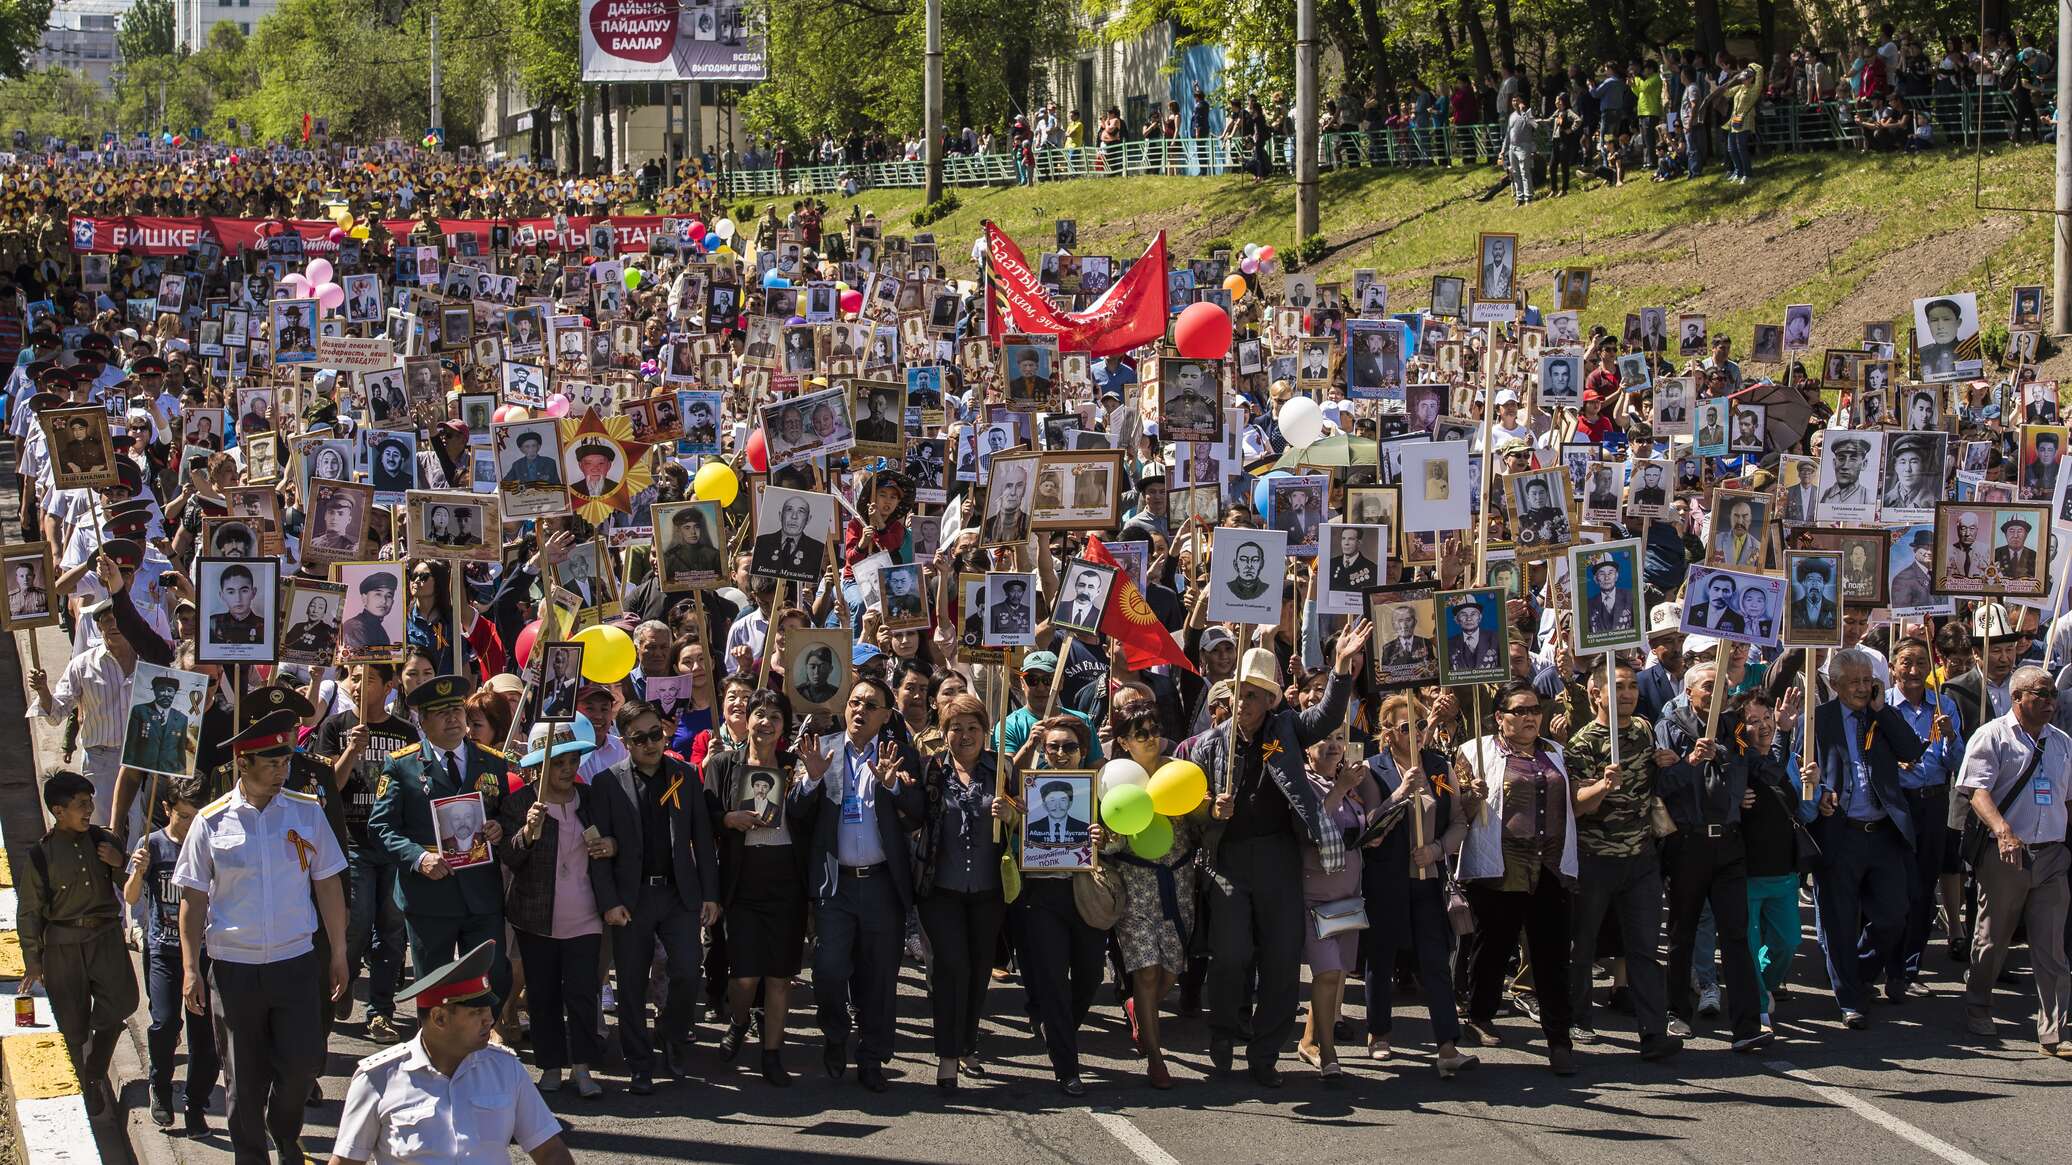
(773, 279)
(1261, 490)
(714, 242)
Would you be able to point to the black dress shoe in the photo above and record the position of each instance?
(730, 1043)
(197, 1123)
(971, 1069)
(835, 1058)
(872, 1077)
(1562, 1061)
(316, 1093)
(290, 1153)
(642, 1084)
(1072, 1086)
(679, 1058)
(947, 1085)
(1266, 1075)
(1222, 1051)
(773, 1068)
(161, 1112)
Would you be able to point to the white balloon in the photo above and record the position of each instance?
(1302, 422)
(1117, 772)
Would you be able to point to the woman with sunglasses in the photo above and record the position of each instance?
(1404, 885)
(1062, 959)
(1158, 909)
(1519, 862)
(957, 886)
(762, 884)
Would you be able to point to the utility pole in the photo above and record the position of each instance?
(931, 101)
(2061, 225)
(1306, 215)
(436, 122)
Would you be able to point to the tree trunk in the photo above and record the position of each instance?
(1711, 36)
(1446, 40)
(1478, 38)
(1766, 30)
(1381, 81)
(1506, 42)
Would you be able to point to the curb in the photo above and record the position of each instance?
(49, 1115)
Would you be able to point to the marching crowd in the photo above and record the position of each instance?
(713, 838)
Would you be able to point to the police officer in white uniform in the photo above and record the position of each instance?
(449, 1095)
(258, 871)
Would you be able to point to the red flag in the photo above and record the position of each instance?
(1130, 313)
(1145, 641)
(305, 127)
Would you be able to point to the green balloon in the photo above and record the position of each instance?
(1126, 809)
(1154, 841)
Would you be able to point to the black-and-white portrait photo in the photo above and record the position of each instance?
(236, 600)
(1010, 613)
(1247, 571)
(791, 532)
(1083, 596)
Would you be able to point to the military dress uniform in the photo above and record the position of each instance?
(401, 1110)
(228, 628)
(465, 908)
(258, 865)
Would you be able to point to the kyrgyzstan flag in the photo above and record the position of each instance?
(1145, 641)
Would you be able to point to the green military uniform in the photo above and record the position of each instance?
(70, 925)
(453, 914)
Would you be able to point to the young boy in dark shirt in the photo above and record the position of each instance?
(71, 932)
(151, 879)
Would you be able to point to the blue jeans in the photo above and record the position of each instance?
(1737, 153)
(1696, 142)
(373, 928)
(169, 1015)
(1773, 929)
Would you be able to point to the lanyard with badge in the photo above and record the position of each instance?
(2040, 785)
(852, 787)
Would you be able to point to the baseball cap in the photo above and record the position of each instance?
(1215, 637)
(1044, 661)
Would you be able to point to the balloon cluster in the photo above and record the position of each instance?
(1140, 805)
(314, 282)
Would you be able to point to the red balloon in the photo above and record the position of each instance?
(697, 231)
(758, 453)
(526, 638)
(852, 301)
(1203, 332)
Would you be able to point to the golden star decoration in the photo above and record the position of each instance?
(633, 474)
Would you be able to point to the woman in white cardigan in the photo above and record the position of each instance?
(1519, 866)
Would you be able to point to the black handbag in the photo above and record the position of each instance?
(1976, 836)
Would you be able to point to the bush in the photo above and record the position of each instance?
(743, 214)
(1216, 244)
(1312, 249)
(936, 211)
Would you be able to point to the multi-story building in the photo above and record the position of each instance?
(192, 19)
(81, 37)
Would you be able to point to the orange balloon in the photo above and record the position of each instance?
(1235, 285)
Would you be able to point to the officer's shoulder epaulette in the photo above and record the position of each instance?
(496, 1049)
(499, 754)
(216, 806)
(308, 798)
(407, 750)
(383, 1057)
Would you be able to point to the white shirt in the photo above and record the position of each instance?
(399, 1109)
(257, 866)
(95, 684)
(1994, 758)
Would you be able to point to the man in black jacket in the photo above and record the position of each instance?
(855, 807)
(653, 808)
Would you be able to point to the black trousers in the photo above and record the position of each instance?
(1629, 891)
(1431, 939)
(1929, 807)
(1062, 964)
(436, 940)
(659, 916)
(861, 927)
(962, 928)
(1714, 870)
(564, 996)
(273, 1042)
(1544, 913)
(1255, 934)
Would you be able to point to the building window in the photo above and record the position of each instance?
(244, 27)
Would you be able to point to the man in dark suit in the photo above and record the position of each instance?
(1862, 823)
(1472, 649)
(1718, 613)
(1813, 606)
(1799, 496)
(1649, 491)
(1612, 610)
(447, 912)
(666, 873)
(1056, 827)
(854, 809)
(377, 599)
(2015, 560)
(1982, 693)
(788, 551)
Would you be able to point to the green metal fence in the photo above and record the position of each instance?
(1958, 119)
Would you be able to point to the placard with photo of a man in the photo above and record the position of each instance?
(1735, 605)
(310, 613)
(2042, 458)
(561, 681)
(1470, 646)
(81, 451)
(1996, 550)
(791, 531)
(1405, 630)
(1740, 529)
(1247, 571)
(1005, 516)
(1375, 353)
(1057, 836)
(29, 569)
(903, 596)
(1561, 381)
(1851, 466)
(1026, 362)
(879, 407)
(1798, 488)
(370, 629)
(1913, 480)
(1007, 615)
(1604, 488)
(1352, 560)
(690, 544)
(1605, 583)
(1946, 337)
(817, 670)
(236, 609)
(1190, 394)
(293, 324)
(1651, 489)
(1076, 490)
(1083, 596)
(162, 733)
(1813, 611)
(1538, 505)
(528, 459)
(1910, 568)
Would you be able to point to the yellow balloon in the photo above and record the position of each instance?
(1235, 285)
(358, 232)
(608, 653)
(1177, 788)
(344, 219)
(716, 482)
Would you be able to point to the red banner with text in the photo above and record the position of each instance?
(149, 235)
(1130, 313)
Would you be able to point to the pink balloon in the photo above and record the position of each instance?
(318, 271)
(297, 281)
(335, 234)
(507, 413)
(852, 301)
(330, 297)
(557, 405)
(1266, 254)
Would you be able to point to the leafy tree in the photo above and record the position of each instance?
(147, 31)
(54, 103)
(186, 89)
(21, 30)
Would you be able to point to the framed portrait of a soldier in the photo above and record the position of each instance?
(454, 526)
(902, 595)
(1404, 616)
(1080, 489)
(1190, 399)
(336, 530)
(30, 569)
(1740, 529)
(1027, 363)
(370, 629)
(1009, 609)
(1353, 559)
(1496, 266)
(1734, 605)
(690, 544)
(1946, 337)
(2000, 550)
(1247, 571)
(1057, 835)
(1813, 610)
(561, 681)
(2042, 456)
(237, 602)
(529, 481)
(1539, 508)
(310, 613)
(162, 733)
(1013, 480)
(1913, 479)
(817, 671)
(1471, 644)
(1851, 462)
(1604, 587)
(82, 453)
(1296, 505)
(1082, 596)
(791, 531)
(1862, 576)
(1766, 344)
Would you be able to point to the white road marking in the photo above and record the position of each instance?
(1133, 1138)
(1910, 1133)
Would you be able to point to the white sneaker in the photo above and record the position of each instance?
(1708, 1002)
(586, 1088)
(550, 1080)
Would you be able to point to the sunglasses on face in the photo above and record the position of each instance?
(652, 736)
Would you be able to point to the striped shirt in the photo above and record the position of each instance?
(95, 684)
